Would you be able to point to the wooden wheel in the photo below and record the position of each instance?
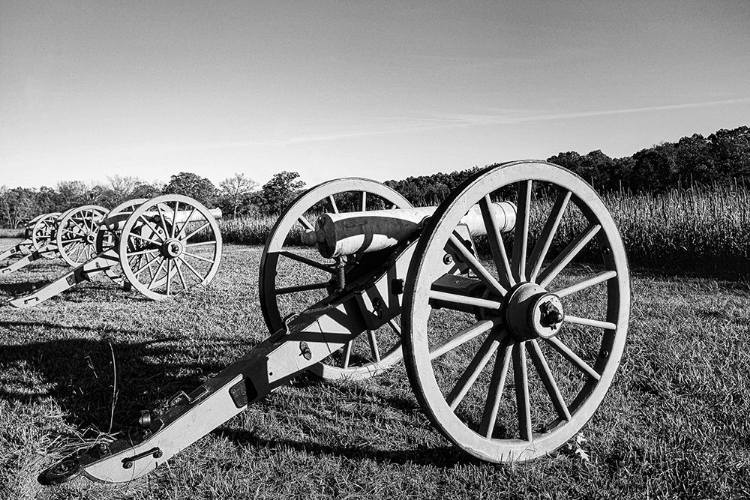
(559, 296)
(169, 245)
(111, 226)
(76, 233)
(109, 235)
(293, 278)
(43, 231)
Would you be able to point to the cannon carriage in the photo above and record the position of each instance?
(70, 235)
(161, 247)
(509, 305)
(38, 234)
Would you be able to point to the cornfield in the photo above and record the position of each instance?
(698, 227)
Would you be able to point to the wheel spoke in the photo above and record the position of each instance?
(573, 358)
(373, 345)
(302, 288)
(174, 219)
(587, 283)
(143, 252)
(542, 368)
(204, 259)
(568, 254)
(548, 233)
(523, 403)
(153, 228)
(590, 322)
(364, 201)
(453, 298)
(333, 204)
(495, 390)
(521, 236)
(499, 255)
(201, 243)
(347, 354)
(462, 337)
(156, 274)
(162, 219)
(309, 262)
(395, 327)
(302, 220)
(179, 273)
(476, 266)
(469, 376)
(147, 240)
(204, 226)
(192, 269)
(148, 264)
(181, 232)
(169, 276)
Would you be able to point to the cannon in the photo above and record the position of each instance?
(70, 235)
(510, 339)
(163, 246)
(37, 234)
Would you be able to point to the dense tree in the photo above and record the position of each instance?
(721, 158)
(277, 193)
(17, 206)
(70, 194)
(235, 192)
(194, 186)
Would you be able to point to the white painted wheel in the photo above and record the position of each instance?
(293, 278)
(76, 234)
(559, 296)
(44, 231)
(169, 245)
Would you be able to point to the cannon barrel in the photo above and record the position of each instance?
(340, 234)
(117, 221)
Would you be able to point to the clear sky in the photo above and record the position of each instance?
(90, 89)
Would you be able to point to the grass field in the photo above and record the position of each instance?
(674, 425)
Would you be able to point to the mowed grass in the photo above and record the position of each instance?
(674, 425)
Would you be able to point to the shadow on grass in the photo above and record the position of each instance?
(442, 456)
(81, 376)
(18, 289)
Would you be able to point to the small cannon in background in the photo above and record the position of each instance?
(465, 323)
(38, 234)
(70, 235)
(163, 246)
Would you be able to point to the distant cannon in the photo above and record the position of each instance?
(37, 233)
(163, 246)
(471, 310)
(70, 235)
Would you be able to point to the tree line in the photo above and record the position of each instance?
(237, 195)
(721, 158)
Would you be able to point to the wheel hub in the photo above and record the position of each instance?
(531, 312)
(172, 248)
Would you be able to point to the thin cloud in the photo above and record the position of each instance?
(410, 125)
(509, 119)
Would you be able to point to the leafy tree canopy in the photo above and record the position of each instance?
(277, 193)
(194, 186)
